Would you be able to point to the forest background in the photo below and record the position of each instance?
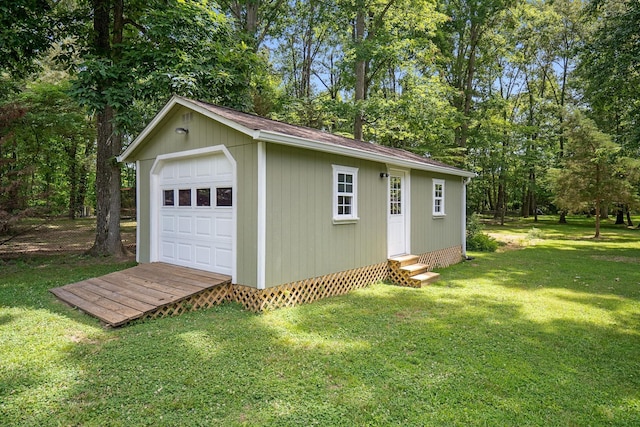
(537, 97)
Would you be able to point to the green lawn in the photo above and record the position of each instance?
(545, 335)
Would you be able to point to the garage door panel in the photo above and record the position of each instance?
(223, 227)
(203, 254)
(168, 224)
(223, 171)
(204, 168)
(168, 251)
(184, 225)
(185, 253)
(203, 226)
(168, 172)
(196, 236)
(223, 259)
(184, 169)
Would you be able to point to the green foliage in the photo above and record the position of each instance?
(27, 32)
(176, 47)
(591, 174)
(476, 239)
(51, 148)
(610, 70)
(539, 336)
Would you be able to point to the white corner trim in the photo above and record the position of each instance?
(465, 182)
(262, 215)
(138, 211)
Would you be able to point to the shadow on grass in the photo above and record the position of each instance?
(380, 356)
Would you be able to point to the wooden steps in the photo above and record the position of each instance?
(405, 270)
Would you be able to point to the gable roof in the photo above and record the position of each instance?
(262, 129)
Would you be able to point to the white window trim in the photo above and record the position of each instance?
(353, 217)
(443, 198)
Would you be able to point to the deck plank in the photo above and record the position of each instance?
(201, 274)
(120, 297)
(107, 316)
(125, 277)
(174, 281)
(137, 292)
(87, 294)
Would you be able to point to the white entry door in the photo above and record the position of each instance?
(397, 213)
(195, 217)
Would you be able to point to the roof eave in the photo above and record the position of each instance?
(294, 141)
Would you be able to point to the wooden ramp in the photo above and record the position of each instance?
(147, 290)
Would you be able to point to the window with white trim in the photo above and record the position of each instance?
(438, 197)
(345, 193)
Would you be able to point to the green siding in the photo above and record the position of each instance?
(301, 239)
(204, 132)
(429, 233)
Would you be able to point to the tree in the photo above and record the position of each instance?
(138, 54)
(57, 138)
(385, 35)
(460, 41)
(28, 29)
(10, 173)
(591, 175)
(610, 71)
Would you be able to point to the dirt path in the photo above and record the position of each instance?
(60, 236)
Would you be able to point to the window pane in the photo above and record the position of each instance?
(349, 178)
(203, 197)
(224, 196)
(169, 198)
(184, 197)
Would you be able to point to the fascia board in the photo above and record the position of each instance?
(279, 138)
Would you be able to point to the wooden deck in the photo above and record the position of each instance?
(138, 292)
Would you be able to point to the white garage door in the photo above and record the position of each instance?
(195, 213)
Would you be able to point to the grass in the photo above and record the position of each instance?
(545, 335)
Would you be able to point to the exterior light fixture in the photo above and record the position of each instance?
(384, 175)
(182, 131)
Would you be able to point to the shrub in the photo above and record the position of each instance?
(476, 239)
(535, 233)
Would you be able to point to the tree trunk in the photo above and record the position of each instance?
(73, 179)
(597, 236)
(620, 215)
(563, 217)
(501, 204)
(629, 222)
(108, 241)
(360, 70)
